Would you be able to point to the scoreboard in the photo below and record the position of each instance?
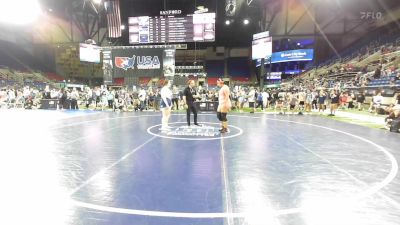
(172, 29)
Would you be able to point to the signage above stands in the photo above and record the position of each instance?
(260, 35)
(173, 46)
(172, 28)
(170, 12)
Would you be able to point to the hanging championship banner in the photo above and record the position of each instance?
(169, 62)
(107, 67)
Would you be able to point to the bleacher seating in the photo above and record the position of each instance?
(215, 68)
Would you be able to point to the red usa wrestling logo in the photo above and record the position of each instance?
(125, 62)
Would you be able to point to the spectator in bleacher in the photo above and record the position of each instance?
(360, 100)
(350, 100)
(97, 93)
(265, 97)
(142, 98)
(343, 100)
(3, 96)
(302, 100)
(62, 98)
(104, 99)
(376, 103)
(252, 99)
(334, 102)
(157, 97)
(293, 100)
(309, 101)
(74, 99)
(54, 94)
(26, 92)
(314, 103)
(110, 98)
(259, 100)
(28, 103)
(241, 99)
(175, 98)
(377, 73)
(321, 101)
(119, 104)
(11, 96)
(393, 120)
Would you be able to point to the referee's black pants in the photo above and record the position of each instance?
(191, 108)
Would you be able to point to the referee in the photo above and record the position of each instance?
(189, 95)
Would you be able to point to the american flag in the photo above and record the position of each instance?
(113, 18)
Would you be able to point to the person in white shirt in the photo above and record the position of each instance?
(165, 104)
(74, 99)
(142, 99)
(252, 99)
(11, 96)
(265, 97)
(376, 102)
(26, 92)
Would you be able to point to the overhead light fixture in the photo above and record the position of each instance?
(97, 2)
(227, 22)
(20, 12)
(246, 21)
(123, 27)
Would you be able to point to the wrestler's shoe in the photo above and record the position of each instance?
(223, 130)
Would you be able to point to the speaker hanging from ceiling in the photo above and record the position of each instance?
(230, 7)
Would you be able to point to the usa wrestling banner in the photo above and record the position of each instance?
(137, 62)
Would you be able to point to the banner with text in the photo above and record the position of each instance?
(141, 62)
(290, 56)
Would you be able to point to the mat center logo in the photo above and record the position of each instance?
(193, 131)
(206, 131)
(142, 62)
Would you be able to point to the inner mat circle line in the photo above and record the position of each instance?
(279, 212)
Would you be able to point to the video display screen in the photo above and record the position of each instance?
(89, 53)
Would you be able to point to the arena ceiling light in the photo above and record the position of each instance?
(246, 21)
(98, 2)
(19, 12)
(227, 22)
